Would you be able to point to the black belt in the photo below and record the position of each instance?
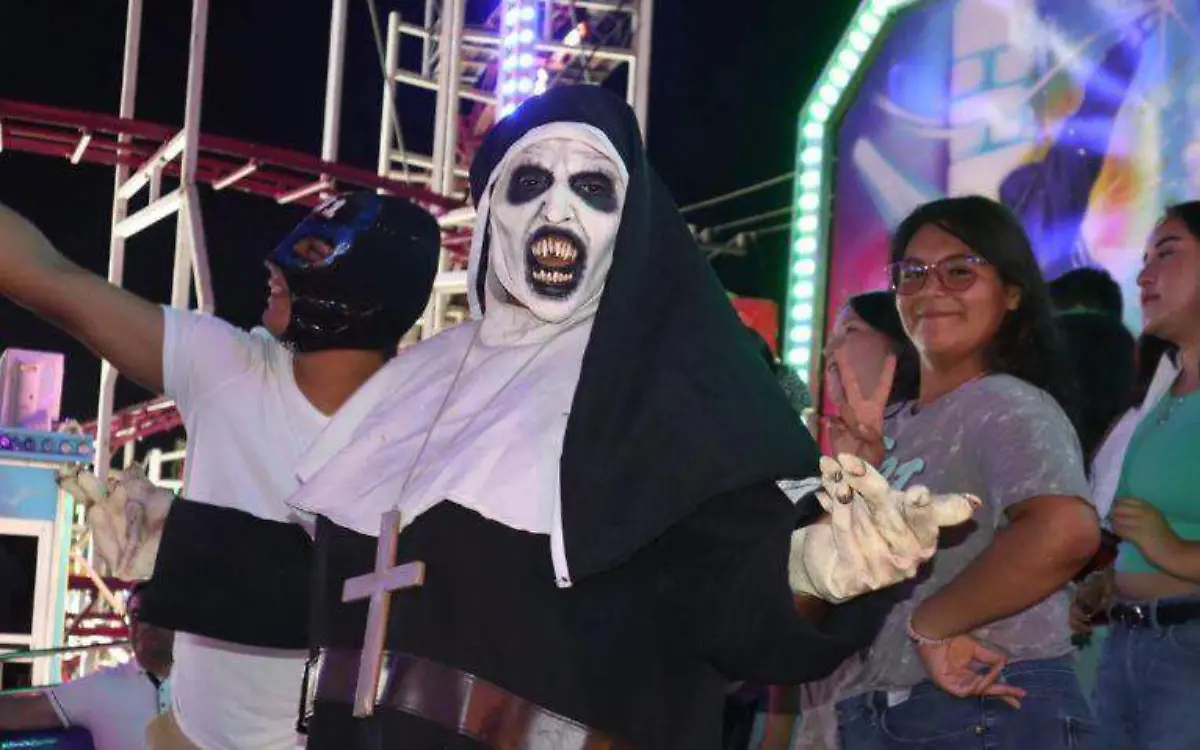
(1149, 614)
(452, 699)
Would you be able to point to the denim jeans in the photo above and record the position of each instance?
(1148, 687)
(1053, 716)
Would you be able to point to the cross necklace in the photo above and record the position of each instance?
(378, 585)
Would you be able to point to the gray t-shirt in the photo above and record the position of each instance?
(1005, 441)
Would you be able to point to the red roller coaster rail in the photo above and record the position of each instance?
(224, 163)
(140, 421)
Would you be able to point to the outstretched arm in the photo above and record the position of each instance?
(115, 324)
(726, 586)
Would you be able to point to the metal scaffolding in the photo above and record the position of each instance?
(459, 63)
(576, 41)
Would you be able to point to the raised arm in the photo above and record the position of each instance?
(115, 324)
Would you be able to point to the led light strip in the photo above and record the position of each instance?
(814, 159)
(519, 68)
(14, 440)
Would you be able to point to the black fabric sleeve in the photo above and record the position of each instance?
(727, 591)
(223, 573)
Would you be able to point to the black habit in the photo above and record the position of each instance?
(676, 536)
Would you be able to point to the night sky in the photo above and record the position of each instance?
(727, 82)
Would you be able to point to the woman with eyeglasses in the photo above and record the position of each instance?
(1147, 472)
(979, 652)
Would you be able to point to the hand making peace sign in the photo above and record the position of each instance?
(858, 428)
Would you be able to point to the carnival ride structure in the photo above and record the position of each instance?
(478, 71)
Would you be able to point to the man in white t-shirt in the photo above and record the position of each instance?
(232, 569)
(114, 704)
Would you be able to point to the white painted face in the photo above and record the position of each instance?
(554, 220)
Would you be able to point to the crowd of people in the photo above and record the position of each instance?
(1108, 422)
(601, 512)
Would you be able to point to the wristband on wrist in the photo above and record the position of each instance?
(919, 639)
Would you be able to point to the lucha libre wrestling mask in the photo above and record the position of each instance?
(555, 212)
(359, 270)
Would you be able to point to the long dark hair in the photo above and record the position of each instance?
(1152, 349)
(1028, 344)
(878, 310)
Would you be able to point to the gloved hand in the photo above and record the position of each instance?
(874, 536)
(126, 518)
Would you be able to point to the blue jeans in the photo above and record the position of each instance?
(1053, 716)
(1148, 687)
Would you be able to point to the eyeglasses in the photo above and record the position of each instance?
(956, 273)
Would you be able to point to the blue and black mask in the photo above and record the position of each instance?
(371, 283)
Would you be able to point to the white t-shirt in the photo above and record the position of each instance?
(115, 704)
(247, 424)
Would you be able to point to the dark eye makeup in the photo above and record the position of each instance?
(528, 182)
(597, 189)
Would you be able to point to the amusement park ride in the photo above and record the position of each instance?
(919, 99)
(478, 71)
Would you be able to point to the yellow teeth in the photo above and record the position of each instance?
(552, 277)
(554, 247)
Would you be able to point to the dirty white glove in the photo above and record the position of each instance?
(874, 536)
(126, 518)
(106, 524)
(146, 507)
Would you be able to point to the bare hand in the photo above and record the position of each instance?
(1091, 597)
(858, 428)
(954, 665)
(1141, 523)
(1080, 620)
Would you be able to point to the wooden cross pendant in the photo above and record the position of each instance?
(378, 586)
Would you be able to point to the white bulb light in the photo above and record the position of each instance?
(827, 97)
(803, 290)
(519, 72)
(806, 267)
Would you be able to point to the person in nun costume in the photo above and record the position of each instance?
(588, 471)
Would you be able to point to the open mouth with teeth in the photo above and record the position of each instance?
(555, 261)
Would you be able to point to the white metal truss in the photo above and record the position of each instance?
(190, 269)
(191, 255)
(579, 41)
